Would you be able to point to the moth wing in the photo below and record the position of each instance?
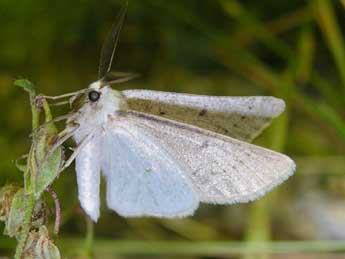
(223, 170)
(242, 118)
(88, 167)
(142, 179)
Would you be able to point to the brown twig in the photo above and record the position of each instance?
(57, 209)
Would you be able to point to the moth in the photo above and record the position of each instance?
(163, 153)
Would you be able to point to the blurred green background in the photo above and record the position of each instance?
(291, 49)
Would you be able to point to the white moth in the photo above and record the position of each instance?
(163, 153)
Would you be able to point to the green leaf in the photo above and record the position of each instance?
(19, 207)
(48, 164)
(25, 84)
(16, 215)
(44, 163)
(21, 167)
(49, 171)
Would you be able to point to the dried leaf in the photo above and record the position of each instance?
(16, 214)
(39, 215)
(39, 245)
(6, 196)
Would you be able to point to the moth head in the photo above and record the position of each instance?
(100, 95)
(94, 92)
(90, 95)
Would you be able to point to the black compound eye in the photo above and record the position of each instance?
(94, 96)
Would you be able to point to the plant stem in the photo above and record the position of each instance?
(28, 185)
(47, 112)
(259, 228)
(57, 210)
(34, 111)
(325, 16)
(202, 248)
(88, 251)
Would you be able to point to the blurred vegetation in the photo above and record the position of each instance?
(291, 49)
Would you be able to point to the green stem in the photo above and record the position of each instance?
(35, 124)
(212, 249)
(259, 228)
(34, 111)
(47, 112)
(28, 184)
(88, 251)
(325, 16)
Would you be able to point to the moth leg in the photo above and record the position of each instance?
(57, 119)
(63, 137)
(57, 97)
(63, 133)
(60, 103)
(76, 151)
(69, 102)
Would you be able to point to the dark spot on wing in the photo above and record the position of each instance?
(235, 125)
(243, 117)
(250, 107)
(202, 112)
(162, 113)
(174, 124)
(204, 144)
(195, 173)
(148, 170)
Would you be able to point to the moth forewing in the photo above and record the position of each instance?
(242, 118)
(222, 169)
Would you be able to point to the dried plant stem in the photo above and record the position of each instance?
(57, 210)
